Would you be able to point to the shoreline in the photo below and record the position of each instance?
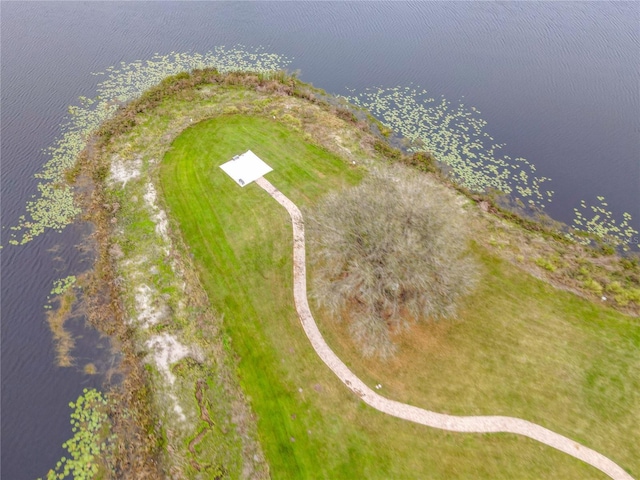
(129, 313)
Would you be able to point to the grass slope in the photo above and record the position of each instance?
(559, 363)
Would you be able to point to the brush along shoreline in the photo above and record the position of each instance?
(152, 299)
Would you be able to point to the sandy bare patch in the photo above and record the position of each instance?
(148, 313)
(124, 170)
(167, 350)
(150, 195)
(177, 408)
(158, 216)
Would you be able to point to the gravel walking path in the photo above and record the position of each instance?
(472, 424)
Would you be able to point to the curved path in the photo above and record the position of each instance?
(475, 424)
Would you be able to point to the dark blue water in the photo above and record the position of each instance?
(558, 82)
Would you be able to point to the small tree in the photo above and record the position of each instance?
(389, 251)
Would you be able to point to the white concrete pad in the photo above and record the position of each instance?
(246, 168)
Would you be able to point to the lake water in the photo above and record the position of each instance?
(557, 82)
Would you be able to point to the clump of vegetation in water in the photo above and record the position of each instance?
(54, 206)
(62, 285)
(390, 250)
(65, 296)
(91, 441)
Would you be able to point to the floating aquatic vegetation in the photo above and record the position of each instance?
(53, 207)
(599, 220)
(91, 441)
(456, 135)
(62, 285)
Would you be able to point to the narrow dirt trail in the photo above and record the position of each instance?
(472, 424)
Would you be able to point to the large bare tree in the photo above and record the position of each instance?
(388, 252)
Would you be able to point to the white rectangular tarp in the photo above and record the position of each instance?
(246, 168)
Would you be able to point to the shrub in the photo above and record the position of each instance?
(346, 114)
(546, 264)
(387, 151)
(423, 161)
(633, 294)
(387, 252)
(593, 285)
(615, 287)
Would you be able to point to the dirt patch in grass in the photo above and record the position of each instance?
(167, 350)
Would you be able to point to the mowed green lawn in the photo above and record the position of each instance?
(310, 425)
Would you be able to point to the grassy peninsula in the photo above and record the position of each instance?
(194, 274)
